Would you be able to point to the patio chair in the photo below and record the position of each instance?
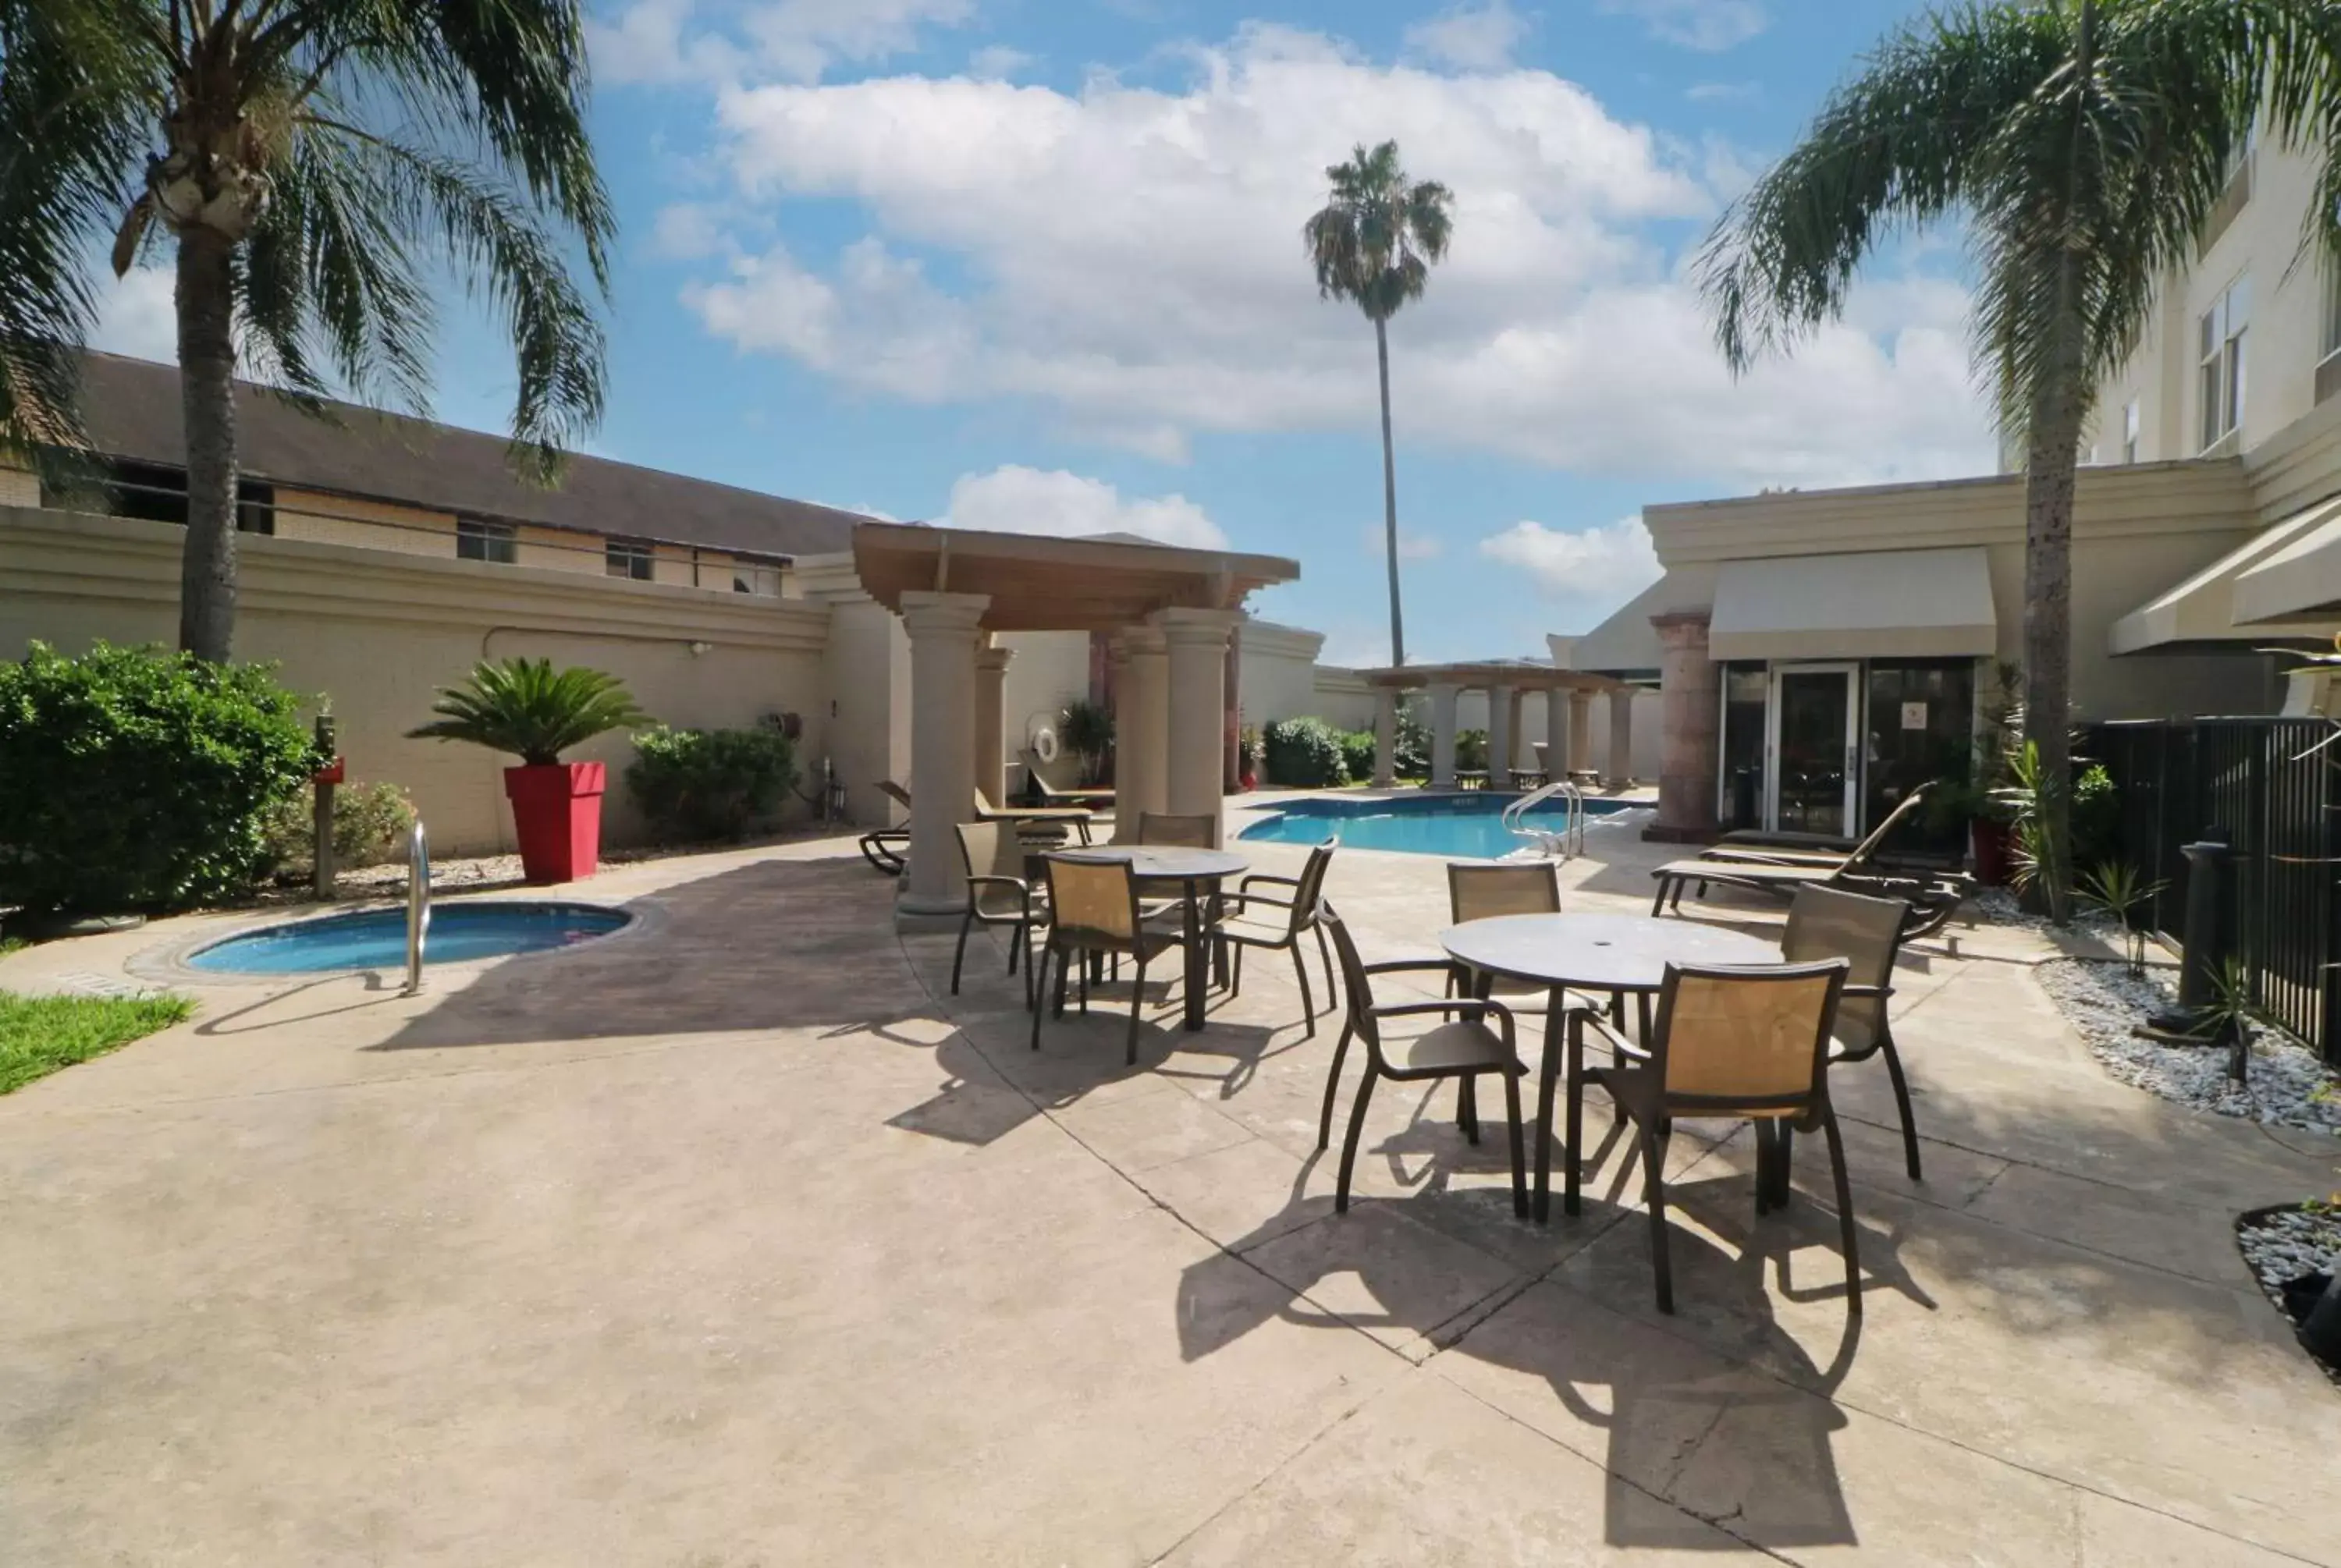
(1744, 848)
(1932, 898)
(1169, 830)
(1044, 827)
(1049, 796)
(998, 893)
(1743, 1042)
(1463, 1047)
(1092, 910)
(1259, 920)
(1865, 932)
(885, 846)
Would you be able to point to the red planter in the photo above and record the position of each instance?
(1990, 841)
(557, 811)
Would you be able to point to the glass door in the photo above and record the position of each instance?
(1814, 749)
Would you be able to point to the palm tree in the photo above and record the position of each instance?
(314, 164)
(1374, 241)
(2087, 144)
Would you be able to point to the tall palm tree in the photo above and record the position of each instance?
(2087, 144)
(1374, 241)
(315, 165)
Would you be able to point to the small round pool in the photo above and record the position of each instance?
(376, 938)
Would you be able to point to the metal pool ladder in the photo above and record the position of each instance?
(418, 904)
(1570, 840)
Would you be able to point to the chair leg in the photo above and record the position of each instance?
(1902, 1102)
(1654, 1188)
(1520, 1147)
(1308, 1003)
(1466, 1108)
(1137, 1003)
(1333, 1086)
(1843, 1211)
(1014, 946)
(1659, 904)
(1349, 1145)
(1089, 962)
(1325, 951)
(1235, 972)
(1041, 997)
(959, 956)
(1066, 957)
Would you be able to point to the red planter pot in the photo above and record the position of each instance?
(1991, 842)
(557, 813)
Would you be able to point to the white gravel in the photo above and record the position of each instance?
(2292, 1243)
(2106, 1004)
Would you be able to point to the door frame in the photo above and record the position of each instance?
(1850, 670)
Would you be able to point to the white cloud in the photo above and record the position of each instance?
(1013, 498)
(1374, 539)
(1127, 259)
(1609, 564)
(688, 232)
(1708, 26)
(996, 62)
(1470, 37)
(667, 41)
(137, 316)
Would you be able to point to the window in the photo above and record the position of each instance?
(478, 540)
(158, 493)
(2129, 431)
(628, 558)
(763, 581)
(2220, 354)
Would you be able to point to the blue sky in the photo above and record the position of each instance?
(1035, 263)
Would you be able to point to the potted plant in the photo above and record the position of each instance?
(535, 712)
(1247, 756)
(1086, 728)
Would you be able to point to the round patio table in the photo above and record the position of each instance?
(1617, 954)
(1192, 871)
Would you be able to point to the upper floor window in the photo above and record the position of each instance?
(749, 576)
(2219, 355)
(2129, 431)
(478, 540)
(629, 557)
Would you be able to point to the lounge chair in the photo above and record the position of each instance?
(1933, 899)
(1093, 911)
(1090, 800)
(1274, 921)
(1740, 1042)
(1039, 824)
(1816, 851)
(884, 847)
(998, 893)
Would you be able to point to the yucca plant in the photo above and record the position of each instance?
(2116, 887)
(531, 709)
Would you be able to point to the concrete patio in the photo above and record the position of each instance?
(736, 1239)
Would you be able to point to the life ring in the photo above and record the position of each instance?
(1044, 743)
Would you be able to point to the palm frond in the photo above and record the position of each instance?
(1376, 238)
(527, 708)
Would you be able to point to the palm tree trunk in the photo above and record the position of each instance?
(2050, 466)
(207, 393)
(1389, 494)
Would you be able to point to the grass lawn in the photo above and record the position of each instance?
(38, 1035)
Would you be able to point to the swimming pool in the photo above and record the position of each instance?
(1465, 827)
(376, 938)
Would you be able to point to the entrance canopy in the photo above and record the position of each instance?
(1876, 604)
(2208, 608)
(1037, 582)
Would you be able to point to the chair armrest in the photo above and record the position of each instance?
(1023, 889)
(1475, 1009)
(1266, 877)
(1619, 1043)
(1398, 965)
(1865, 993)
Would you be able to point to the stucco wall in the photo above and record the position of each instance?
(1048, 671)
(376, 632)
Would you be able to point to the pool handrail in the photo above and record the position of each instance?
(418, 904)
(1570, 840)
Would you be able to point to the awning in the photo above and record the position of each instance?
(1877, 604)
(2299, 580)
(2208, 607)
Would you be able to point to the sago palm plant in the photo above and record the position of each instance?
(312, 167)
(530, 709)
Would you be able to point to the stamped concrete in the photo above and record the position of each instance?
(740, 1239)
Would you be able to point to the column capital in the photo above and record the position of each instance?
(993, 660)
(1209, 628)
(1682, 628)
(931, 614)
(1136, 641)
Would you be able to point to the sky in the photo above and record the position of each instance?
(1036, 265)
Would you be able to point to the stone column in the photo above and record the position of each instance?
(1140, 728)
(1557, 757)
(1442, 735)
(1580, 729)
(1503, 739)
(1689, 744)
(1124, 695)
(1198, 641)
(990, 758)
(944, 630)
(1385, 738)
(1620, 770)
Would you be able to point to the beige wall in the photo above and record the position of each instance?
(1342, 698)
(376, 632)
(371, 524)
(1276, 673)
(866, 675)
(1048, 670)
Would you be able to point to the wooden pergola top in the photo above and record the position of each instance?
(1521, 674)
(1037, 582)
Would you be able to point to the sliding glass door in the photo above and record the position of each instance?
(1815, 749)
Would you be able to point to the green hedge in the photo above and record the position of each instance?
(698, 784)
(1304, 754)
(137, 778)
(1358, 755)
(1472, 751)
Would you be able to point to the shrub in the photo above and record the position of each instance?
(711, 783)
(1471, 751)
(1413, 742)
(1086, 729)
(1358, 754)
(140, 780)
(370, 824)
(2096, 816)
(1304, 754)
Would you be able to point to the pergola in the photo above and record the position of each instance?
(1169, 611)
(1568, 698)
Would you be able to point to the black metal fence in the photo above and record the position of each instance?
(2274, 786)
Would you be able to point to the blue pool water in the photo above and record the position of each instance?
(376, 938)
(1465, 827)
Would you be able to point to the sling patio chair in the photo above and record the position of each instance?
(1037, 825)
(1484, 890)
(1730, 1041)
(1092, 910)
(1932, 898)
(1476, 1038)
(998, 894)
(1275, 920)
(1088, 799)
(1865, 932)
(883, 846)
(1818, 853)
(1171, 830)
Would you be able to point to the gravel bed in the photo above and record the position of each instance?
(2105, 1002)
(2291, 1247)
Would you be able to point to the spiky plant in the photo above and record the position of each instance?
(527, 708)
(2117, 887)
(311, 166)
(2086, 144)
(1374, 242)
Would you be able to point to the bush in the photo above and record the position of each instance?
(1358, 754)
(1413, 742)
(1304, 754)
(711, 783)
(370, 824)
(141, 779)
(2096, 816)
(1472, 751)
